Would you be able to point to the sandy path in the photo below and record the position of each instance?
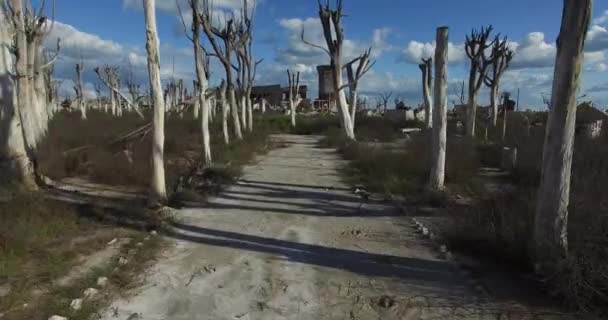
(290, 241)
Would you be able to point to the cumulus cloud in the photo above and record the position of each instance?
(597, 38)
(533, 52)
(298, 52)
(416, 51)
(603, 19)
(94, 51)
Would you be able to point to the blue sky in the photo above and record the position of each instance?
(401, 32)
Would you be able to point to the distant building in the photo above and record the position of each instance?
(590, 120)
(274, 94)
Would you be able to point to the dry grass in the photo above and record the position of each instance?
(41, 239)
(498, 226)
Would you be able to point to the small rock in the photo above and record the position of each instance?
(76, 304)
(112, 242)
(131, 252)
(146, 238)
(139, 244)
(90, 293)
(425, 231)
(153, 232)
(102, 282)
(57, 318)
(122, 261)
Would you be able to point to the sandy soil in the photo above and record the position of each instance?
(291, 241)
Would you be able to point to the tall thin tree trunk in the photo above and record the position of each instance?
(439, 133)
(158, 193)
(427, 69)
(225, 130)
(292, 112)
(202, 85)
(494, 103)
(197, 106)
(342, 102)
(243, 111)
(471, 115)
(353, 106)
(234, 108)
(14, 161)
(263, 105)
(249, 111)
(551, 219)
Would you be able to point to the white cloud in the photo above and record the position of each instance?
(597, 38)
(603, 19)
(415, 51)
(298, 52)
(75, 43)
(534, 52)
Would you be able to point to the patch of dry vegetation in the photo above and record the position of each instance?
(41, 240)
(498, 225)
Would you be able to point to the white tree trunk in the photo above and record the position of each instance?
(263, 105)
(342, 102)
(426, 93)
(292, 113)
(202, 86)
(249, 111)
(353, 106)
(243, 111)
(471, 115)
(113, 103)
(14, 161)
(551, 220)
(494, 104)
(197, 106)
(235, 112)
(439, 133)
(158, 193)
(225, 116)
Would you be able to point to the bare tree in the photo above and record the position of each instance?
(475, 46)
(133, 86)
(364, 64)
(384, 98)
(30, 27)
(98, 96)
(427, 83)
(225, 111)
(551, 220)
(111, 79)
(501, 58)
(333, 31)
(78, 89)
(202, 75)
(158, 193)
(294, 94)
(439, 133)
(227, 33)
(15, 163)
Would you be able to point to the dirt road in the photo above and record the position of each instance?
(290, 241)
